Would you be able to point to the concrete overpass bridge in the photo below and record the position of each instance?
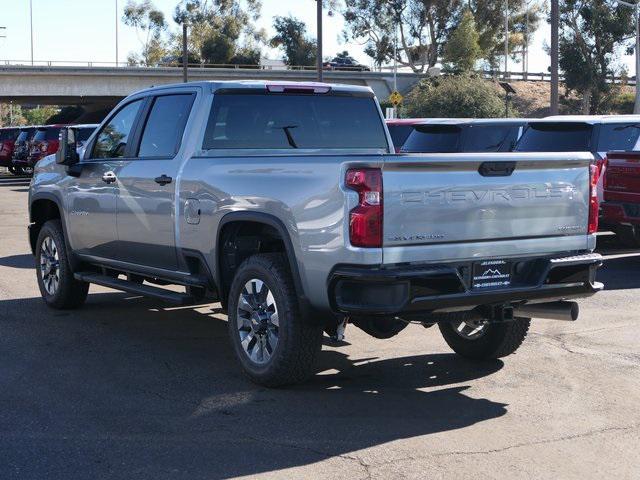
(97, 87)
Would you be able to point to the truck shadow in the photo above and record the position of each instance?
(18, 261)
(123, 386)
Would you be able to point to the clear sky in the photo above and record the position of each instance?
(84, 30)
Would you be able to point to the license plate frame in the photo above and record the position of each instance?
(491, 274)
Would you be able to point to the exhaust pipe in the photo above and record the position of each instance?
(567, 311)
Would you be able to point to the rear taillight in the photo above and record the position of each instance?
(593, 199)
(365, 221)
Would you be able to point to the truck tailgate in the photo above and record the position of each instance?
(458, 199)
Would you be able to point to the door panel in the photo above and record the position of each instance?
(146, 214)
(146, 196)
(91, 211)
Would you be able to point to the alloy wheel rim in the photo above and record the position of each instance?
(470, 329)
(50, 265)
(257, 321)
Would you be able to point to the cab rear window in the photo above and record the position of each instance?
(294, 121)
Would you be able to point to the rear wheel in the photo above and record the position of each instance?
(274, 345)
(58, 287)
(481, 340)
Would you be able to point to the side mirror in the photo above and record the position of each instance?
(67, 153)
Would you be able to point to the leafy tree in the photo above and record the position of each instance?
(291, 37)
(425, 26)
(222, 31)
(150, 24)
(39, 116)
(591, 31)
(523, 26)
(455, 97)
(11, 115)
(462, 52)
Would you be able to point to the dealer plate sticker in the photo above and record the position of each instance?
(492, 274)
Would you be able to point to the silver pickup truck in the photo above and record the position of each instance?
(284, 202)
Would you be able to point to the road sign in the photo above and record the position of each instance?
(395, 98)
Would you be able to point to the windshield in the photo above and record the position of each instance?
(556, 137)
(433, 139)
(289, 121)
(618, 137)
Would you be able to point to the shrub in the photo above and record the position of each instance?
(456, 97)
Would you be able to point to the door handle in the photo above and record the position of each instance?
(163, 180)
(109, 177)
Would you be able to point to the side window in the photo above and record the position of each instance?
(112, 139)
(165, 126)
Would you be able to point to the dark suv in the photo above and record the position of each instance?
(21, 149)
(7, 141)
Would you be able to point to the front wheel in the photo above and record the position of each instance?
(480, 340)
(58, 287)
(274, 345)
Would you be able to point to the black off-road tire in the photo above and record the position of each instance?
(499, 340)
(299, 342)
(70, 293)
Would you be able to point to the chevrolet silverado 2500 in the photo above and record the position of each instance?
(286, 203)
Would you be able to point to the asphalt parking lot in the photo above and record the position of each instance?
(124, 388)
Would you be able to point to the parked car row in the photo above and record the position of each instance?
(22, 147)
(613, 140)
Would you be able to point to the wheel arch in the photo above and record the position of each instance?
(235, 219)
(42, 208)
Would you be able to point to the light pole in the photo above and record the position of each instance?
(395, 60)
(555, 78)
(506, 39)
(185, 53)
(116, 33)
(31, 23)
(636, 19)
(319, 40)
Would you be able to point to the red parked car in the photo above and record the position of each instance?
(8, 137)
(45, 142)
(620, 210)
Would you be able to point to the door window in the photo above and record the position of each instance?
(112, 139)
(165, 126)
